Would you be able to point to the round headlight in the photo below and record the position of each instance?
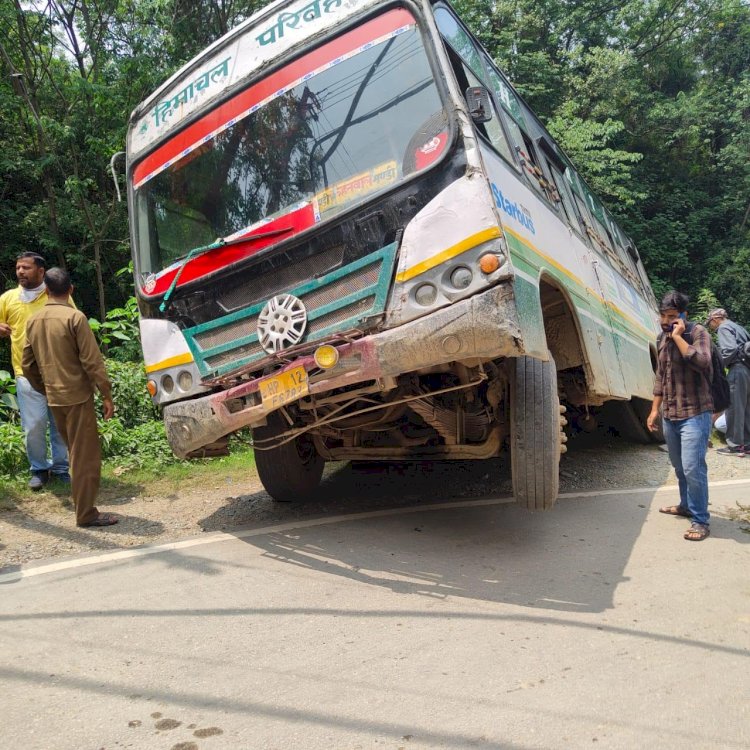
(461, 277)
(425, 295)
(185, 381)
(167, 383)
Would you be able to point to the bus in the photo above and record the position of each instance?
(351, 235)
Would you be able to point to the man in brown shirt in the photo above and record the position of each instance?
(682, 392)
(62, 360)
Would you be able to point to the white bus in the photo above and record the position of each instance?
(351, 235)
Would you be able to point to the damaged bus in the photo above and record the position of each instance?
(351, 235)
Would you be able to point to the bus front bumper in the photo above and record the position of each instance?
(483, 327)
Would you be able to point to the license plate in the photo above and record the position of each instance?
(283, 388)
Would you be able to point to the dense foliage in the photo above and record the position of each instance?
(133, 438)
(650, 98)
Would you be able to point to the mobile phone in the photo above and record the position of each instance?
(682, 317)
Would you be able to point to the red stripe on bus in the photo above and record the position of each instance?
(220, 116)
(213, 260)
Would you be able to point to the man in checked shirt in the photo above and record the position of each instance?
(682, 391)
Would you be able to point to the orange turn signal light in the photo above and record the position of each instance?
(151, 387)
(489, 263)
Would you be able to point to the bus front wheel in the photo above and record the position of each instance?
(535, 433)
(292, 471)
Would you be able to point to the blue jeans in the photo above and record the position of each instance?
(35, 418)
(687, 440)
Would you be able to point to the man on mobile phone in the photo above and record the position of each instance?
(682, 391)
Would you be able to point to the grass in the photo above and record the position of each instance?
(146, 480)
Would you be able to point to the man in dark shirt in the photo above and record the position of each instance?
(732, 339)
(682, 392)
(62, 360)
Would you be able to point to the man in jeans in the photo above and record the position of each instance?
(682, 391)
(732, 339)
(16, 307)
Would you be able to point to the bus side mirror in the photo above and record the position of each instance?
(480, 106)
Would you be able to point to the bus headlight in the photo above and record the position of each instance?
(425, 294)
(185, 381)
(167, 384)
(461, 277)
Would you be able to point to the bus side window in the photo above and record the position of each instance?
(583, 213)
(457, 39)
(533, 170)
(492, 130)
(564, 197)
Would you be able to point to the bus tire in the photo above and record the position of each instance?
(535, 433)
(293, 470)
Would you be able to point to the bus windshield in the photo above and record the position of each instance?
(344, 121)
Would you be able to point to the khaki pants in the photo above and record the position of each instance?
(78, 429)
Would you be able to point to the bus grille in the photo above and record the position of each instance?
(339, 301)
(267, 285)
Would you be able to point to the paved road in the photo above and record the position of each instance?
(460, 624)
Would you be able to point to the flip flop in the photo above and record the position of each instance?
(697, 532)
(674, 510)
(103, 519)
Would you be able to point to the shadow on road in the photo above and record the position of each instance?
(570, 559)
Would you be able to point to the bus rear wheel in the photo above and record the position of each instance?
(535, 433)
(293, 470)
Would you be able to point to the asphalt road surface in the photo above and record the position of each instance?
(442, 624)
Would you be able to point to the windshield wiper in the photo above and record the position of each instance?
(222, 242)
(201, 249)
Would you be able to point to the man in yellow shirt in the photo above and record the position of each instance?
(16, 307)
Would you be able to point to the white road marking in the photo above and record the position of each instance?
(220, 536)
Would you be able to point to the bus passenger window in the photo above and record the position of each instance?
(563, 197)
(533, 170)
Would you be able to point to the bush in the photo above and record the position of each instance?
(134, 438)
(142, 446)
(133, 404)
(13, 459)
(118, 335)
(8, 403)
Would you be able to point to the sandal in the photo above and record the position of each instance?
(103, 519)
(697, 532)
(675, 510)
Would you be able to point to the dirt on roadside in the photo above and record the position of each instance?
(43, 527)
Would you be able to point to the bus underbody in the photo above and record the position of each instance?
(441, 387)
